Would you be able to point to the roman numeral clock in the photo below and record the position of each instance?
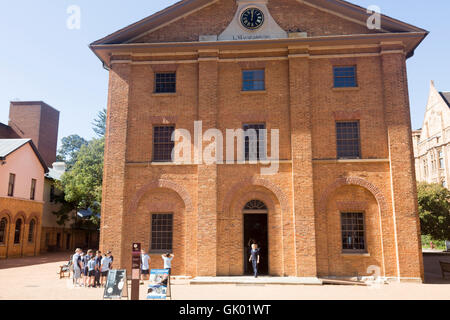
(252, 18)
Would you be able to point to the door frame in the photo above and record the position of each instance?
(244, 258)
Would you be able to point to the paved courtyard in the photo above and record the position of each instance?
(36, 278)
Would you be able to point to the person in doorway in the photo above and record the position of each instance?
(254, 258)
(168, 257)
(145, 266)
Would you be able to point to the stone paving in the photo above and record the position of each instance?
(37, 278)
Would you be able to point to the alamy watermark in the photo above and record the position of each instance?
(374, 21)
(73, 21)
(251, 147)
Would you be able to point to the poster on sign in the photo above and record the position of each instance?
(159, 281)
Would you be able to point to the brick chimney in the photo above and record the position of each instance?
(38, 121)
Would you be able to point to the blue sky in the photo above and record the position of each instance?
(44, 60)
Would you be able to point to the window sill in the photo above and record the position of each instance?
(254, 92)
(154, 252)
(166, 94)
(355, 254)
(346, 89)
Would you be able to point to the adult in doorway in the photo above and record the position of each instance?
(254, 258)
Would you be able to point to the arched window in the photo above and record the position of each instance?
(31, 231)
(3, 225)
(255, 205)
(17, 231)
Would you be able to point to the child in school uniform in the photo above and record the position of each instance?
(104, 268)
(91, 271)
(98, 263)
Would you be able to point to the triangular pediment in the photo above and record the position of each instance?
(189, 20)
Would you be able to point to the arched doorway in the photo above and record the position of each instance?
(256, 231)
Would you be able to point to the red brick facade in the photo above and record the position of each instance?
(38, 121)
(312, 187)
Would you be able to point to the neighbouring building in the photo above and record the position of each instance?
(67, 236)
(22, 172)
(38, 122)
(431, 143)
(343, 202)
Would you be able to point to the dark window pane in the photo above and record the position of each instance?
(33, 189)
(162, 143)
(18, 231)
(162, 232)
(3, 225)
(348, 140)
(352, 227)
(165, 82)
(344, 77)
(31, 231)
(260, 141)
(12, 179)
(253, 80)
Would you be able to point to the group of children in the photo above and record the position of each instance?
(91, 270)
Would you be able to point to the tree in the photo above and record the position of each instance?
(99, 124)
(434, 210)
(70, 147)
(83, 184)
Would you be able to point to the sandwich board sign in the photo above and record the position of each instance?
(159, 284)
(115, 282)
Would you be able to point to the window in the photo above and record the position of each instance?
(345, 77)
(425, 167)
(33, 189)
(31, 231)
(162, 143)
(348, 140)
(18, 231)
(165, 82)
(12, 179)
(253, 80)
(162, 232)
(260, 141)
(3, 225)
(441, 160)
(433, 162)
(353, 235)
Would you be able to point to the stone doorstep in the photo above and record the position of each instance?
(256, 281)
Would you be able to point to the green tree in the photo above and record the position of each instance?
(434, 210)
(83, 184)
(99, 124)
(70, 147)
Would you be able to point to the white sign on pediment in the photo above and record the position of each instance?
(268, 29)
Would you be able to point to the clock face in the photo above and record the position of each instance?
(252, 18)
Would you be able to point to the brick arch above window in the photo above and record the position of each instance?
(158, 184)
(376, 192)
(255, 181)
(6, 214)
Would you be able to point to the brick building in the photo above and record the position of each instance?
(21, 197)
(343, 201)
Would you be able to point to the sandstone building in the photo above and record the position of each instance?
(343, 201)
(431, 143)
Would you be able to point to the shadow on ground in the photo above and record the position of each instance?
(433, 274)
(30, 261)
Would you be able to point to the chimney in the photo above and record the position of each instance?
(39, 122)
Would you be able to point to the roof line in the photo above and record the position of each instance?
(25, 141)
(338, 7)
